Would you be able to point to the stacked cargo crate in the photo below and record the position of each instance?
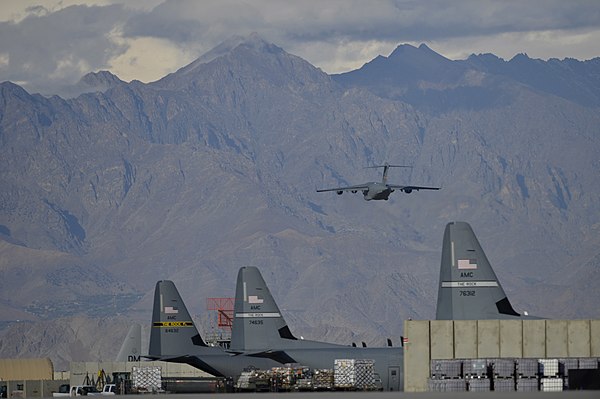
(527, 375)
(322, 379)
(550, 380)
(564, 365)
(282, 378)
(503, 374)
(587, 363)
(354, 374)
(446, 369)
(304, 384)
(146, 379)
(587, 376)
(244, 381)
(458, 385)
(477, 375)
(446, 376)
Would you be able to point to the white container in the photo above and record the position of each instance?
(548, 367)
(551, 384)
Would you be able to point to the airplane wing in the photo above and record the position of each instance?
(409, 189)
(349, 188)
(279, 356)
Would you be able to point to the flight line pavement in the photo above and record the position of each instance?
(383, 395)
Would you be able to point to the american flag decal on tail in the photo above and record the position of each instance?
(255, 299)
(467, 264)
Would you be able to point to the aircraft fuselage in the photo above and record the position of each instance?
(221, 364)
(377, 191)
(388, 361)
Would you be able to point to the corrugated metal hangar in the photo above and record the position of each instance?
(27, 377)
(26, 369)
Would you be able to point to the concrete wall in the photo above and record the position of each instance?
(488, 338)
(534, 338)
(416, 355)
(466, 339)
(511, 338)
(442, 339)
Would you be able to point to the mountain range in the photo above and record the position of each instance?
(106, 191)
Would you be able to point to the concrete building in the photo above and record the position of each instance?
(483, 339)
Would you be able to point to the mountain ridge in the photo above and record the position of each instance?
(570, 78)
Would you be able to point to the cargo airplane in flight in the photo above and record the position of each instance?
(379, 190)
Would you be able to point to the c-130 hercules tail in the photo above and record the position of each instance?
(260, 329)
(174, 338)
(468, 287)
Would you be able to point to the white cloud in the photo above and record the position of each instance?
(4, 59)
(543, 44)
(342, 56)
(69, 66)
(147, 59)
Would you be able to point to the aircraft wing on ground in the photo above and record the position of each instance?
(349, 188)
(409, 189)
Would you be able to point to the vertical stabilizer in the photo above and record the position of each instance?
(468, 287)
(384, 178)
(258, 323)
(132, 346)
(173, 331)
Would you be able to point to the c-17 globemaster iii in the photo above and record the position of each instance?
(260, 329)
(468, 287)
(379, 190)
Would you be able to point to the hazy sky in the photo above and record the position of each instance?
(48, 43)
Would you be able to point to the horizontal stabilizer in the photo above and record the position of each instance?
(388, 166)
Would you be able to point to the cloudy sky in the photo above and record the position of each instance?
(45, 44)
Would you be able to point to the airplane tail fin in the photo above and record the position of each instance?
(386, 166)
(468, 287)
(132, 346)
(173, 331)
(257, 323)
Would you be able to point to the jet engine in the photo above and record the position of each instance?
(408, 190)
(340, 192)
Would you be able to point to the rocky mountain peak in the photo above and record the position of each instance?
(416, 54)
(246, 56)
(253, 41)
(100, 79)
(8, 88)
